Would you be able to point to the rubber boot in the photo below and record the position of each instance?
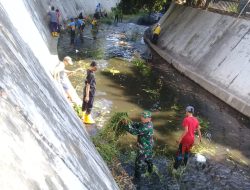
(56, 34)
(52, 33)
(83, 115)
(88, 119)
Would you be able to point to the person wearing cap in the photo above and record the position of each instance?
(156, 33)
(186, 140)
(145, 142)
(60, 74)
(89, 94)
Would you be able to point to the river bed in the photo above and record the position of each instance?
(123, 87)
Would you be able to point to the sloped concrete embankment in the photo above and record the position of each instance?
(43, 143)
(211, 49)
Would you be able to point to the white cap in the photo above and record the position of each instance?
(68, 60)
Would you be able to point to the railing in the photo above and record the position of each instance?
(234, 7)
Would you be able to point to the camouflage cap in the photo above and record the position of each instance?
(146, 114)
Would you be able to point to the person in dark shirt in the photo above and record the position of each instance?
(89, 94)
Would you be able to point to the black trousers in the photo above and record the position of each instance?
(116, 18)
(72, 37)
(155, 38)
(53, 26)
(182, 155)
(87, 106)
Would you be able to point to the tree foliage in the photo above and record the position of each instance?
(133, 6)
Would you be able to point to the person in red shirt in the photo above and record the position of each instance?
(186, 141)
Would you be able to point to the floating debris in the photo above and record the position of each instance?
(113, 71)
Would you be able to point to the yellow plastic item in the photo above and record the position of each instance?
(88, 119)
(157, 30)
(56, 34)
(113, 71)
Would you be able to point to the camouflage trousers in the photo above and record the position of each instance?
(143, 160)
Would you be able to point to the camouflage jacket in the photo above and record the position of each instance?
(144, 131)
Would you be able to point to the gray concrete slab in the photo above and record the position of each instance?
(44, 144)
(211, 49)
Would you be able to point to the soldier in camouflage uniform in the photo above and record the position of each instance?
(144, 131)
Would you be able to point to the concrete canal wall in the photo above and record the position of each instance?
(43, 143)
(211, 49)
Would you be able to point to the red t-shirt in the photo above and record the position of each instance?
(192, 124)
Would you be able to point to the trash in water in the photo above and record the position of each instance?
(200, 158)
(113, 71)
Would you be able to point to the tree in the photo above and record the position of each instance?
(133, 6)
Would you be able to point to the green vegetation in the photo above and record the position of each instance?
(107, 20)
(153, 84)
(153, 94)
(107, 140)
(78, 110)
(96, 54)
(175, 173)
(133, 6)
(116, 123)
(233, 8)
(204, 148)
(203, 123)
(143, 68)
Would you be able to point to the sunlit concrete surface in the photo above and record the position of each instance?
(43, 143)
(211, 49)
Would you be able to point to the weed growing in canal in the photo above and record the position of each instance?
(204, 148)
(95, 54)
(155, 171)
(98, 54)
(144, 69)
(203, 123)
(176, 107)
(152, 83)
(153, 94)
(116, 122)
(175, 173)
(164, 151)
(78, 110)
(106, 141)
(106, 144)
(107, 20)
